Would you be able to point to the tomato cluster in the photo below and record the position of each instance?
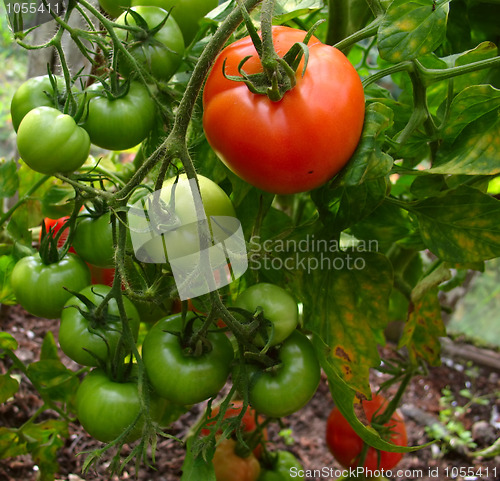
(104, 271)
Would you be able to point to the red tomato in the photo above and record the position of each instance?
(56, 225)
(346, 445)
(102, 275)
(295, 144)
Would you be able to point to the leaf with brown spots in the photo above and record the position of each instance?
(346, 305)
(425, 326)
(411, 29)
(460, 225)
(471, 140)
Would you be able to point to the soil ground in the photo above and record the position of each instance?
(420, 406)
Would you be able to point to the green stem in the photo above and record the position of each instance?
(269, 55)
(366, 32)
(5, 217)
(431, 75)
(376, 7)
(386, 416)
(405, 66)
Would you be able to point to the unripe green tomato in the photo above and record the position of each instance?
(114, 8)
(119, 123)
(286, 467)
(35, 92)
(284, 391)
(106, 408)
(187, 13)
(93, 240)
(162, 61)
(51, 142)
(84, 342)
(278, 306)
(39, 288)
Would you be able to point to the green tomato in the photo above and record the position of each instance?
(187, 13)
(81, 339)
(278, 306)
(114, 7)
(285, 467)
(39, 287)
(119, 123)
(178, 376)
(288, 388)
(93, 240)
(35, 92)
(179, 242)
(161, 54)
(51, 142)
(106, 408)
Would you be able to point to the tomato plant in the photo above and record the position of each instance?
(122, 122)
(50, 141)
(278, 307)
(347, 447)
(159, 51)
(182, 376)
(298, 143)
(291, 384)
(91, 339)
(359, 179)
(40, 287)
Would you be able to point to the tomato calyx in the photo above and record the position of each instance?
(142, 34)
(279, 73)
(49, 252)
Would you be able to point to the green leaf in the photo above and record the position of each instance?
(58, 201)
(195, 467)
(286, 10)
(344, 206)
(9, 180)
(8, 387)
(471, 141)
(345, 302)
(11, 445)
(7, 264)
(483, 51)
(49, 348)
(411, 29)
(427, 185)
(45, 439)
(368, 161)
(386, 224)
(460, 225)
(7, 342)
(54, 379)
